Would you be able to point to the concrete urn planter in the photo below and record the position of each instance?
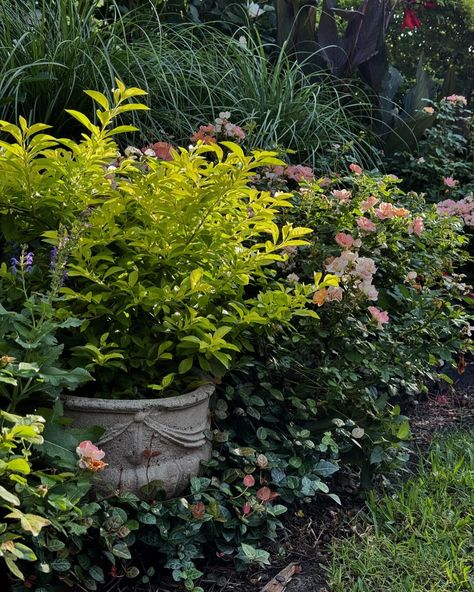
(147, 440)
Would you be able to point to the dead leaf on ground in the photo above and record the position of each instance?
(282, 579)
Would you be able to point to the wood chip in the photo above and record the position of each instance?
(282, 579)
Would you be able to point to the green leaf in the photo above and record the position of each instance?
(97, 573)
(29, 522)
(10, 498)
(84, 120)
(18, 465)
(121, 550)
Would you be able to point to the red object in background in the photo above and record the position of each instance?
(410, 19)
(430, 4)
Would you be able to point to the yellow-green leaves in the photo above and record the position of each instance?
(29, 522)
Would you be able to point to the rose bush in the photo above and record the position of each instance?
(393, 321)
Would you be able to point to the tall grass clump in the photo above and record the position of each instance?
(193, 72)
(51, 50)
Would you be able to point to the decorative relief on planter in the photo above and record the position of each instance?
(146, 441)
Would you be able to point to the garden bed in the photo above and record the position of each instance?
(310, 527)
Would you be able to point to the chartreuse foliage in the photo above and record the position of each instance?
(16, 437)
(419, 537)
(169, 266)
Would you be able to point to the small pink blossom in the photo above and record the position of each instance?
(365, 224)
(411, 276)
(457, 99)
(205, 134)
(400, 212)
(385, 211)
(90, 457)
(265, 494)
(368, 203)
(463, 208)
(365, 268)
(334, 293)
(249, 480)
(368, 289)
(450, 182)
(356, 169)
(344, 240)
(381, 316)
(343, 195)
(299, 173)
(278, 171)
(416, 226)
(160, 150)
(234, 131)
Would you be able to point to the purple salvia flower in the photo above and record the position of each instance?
(29, 261)
(53, 258)
(14, 263)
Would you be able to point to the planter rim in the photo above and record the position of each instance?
(133, 405)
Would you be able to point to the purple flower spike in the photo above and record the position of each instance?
(14, 263)
(53, 258)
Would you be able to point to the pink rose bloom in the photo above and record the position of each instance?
(246, 509)
(367, 288)
(385, 211)
(356, 169)
(337, 265)
(368, 203)
(400, 212)
(343, 195)
(234, 131)
(457, 99)
(90, 457)
(299, 173)
(416, 226)
(205, 134)
(334, 293)
(159, 149)
(450, 182)
(344, 240)
(381, 316)
(365, 268)
(278, 171)
(365, 224)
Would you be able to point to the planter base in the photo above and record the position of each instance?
(148, 442)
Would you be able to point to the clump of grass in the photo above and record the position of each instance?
(420, 538)
(52, 50)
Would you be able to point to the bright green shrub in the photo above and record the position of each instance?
(169, 262)
(15, 441)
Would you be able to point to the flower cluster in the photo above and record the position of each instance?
(161, 150)
(24, 263)
(90, 457)
(222, 128)
(381, 316)
(457, 99)
(463, 208)
(354, 270)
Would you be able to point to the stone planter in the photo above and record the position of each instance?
(147, 441)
